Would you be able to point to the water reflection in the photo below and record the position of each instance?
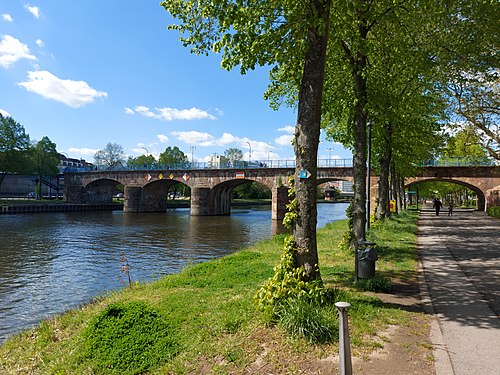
(53, 262)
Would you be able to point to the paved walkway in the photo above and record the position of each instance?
(460, 257)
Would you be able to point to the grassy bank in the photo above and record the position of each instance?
(209, 315)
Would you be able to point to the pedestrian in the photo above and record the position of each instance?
(437, 205)
(450, 208)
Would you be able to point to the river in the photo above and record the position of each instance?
(56, 261)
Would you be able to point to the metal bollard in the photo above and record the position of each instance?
(345, 364)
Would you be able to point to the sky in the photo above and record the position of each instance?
(87, 73)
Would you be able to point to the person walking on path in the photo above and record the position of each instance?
(437, 205)
(450, 208)
(460, 287)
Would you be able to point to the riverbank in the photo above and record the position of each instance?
(214, 323)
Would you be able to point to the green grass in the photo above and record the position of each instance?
(211, 317)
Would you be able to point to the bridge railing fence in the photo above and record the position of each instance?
(458, 161)
(287, 163)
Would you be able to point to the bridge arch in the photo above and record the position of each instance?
(481, 198)
(154, 194)
(101, 191)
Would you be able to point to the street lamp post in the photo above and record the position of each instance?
(249, 152)
(192, 148)
(329, 149)
(147, 152)
(368, 175)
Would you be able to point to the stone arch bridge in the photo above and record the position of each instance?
(211, 189)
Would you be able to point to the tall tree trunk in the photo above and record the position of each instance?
(307, 132)
(394, 185)
(383, 183)
(359, 154)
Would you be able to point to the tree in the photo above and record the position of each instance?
(141, 161)
(44, 160)
(234, 155)
(279, 33)
(172, 156)
(475, 100)
(111, 156)
(14, 144)
(465, 144)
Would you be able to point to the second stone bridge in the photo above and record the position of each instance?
(211, 189)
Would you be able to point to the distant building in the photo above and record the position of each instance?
(217, 161)
(68, 163)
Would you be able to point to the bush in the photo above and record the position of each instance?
(494, 211)
(287, 284)
(377, 283)
(308, 320)
(128, 339)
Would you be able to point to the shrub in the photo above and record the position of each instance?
(308, 320)
(128, 339)
(377, 283)
(494, 211)
(287, 284)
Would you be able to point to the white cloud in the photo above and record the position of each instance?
(72, 93)
(12, 50)
(162, 138)
(204, 139)
(170, 114)
(195, 138)
(287, 129)
(40, 43)
(7, 17)
(34, 10)
(84, 151)
(4, 113)
(284, 140)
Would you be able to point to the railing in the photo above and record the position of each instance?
(269, 164)
(462, 161)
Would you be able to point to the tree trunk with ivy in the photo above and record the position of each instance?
(307, 132)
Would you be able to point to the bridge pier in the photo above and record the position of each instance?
(280, 199)
(210, 202)
(132, 199)
(201, 201)
(493, 197)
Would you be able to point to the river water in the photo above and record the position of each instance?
(56, 261)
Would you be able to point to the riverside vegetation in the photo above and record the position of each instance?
(205, 320)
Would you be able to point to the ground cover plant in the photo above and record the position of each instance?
(210, 320)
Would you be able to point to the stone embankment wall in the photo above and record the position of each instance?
(39, 208)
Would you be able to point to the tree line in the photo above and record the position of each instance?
(18, 154)
(411, 71)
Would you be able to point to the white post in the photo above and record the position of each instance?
(345, 364)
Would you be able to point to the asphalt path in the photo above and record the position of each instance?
(460, 258)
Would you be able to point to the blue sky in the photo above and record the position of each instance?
(86, 73)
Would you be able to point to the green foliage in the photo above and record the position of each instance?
(287, 285)
(303, 319)
(292, 207)
(494, 211)
(348, 238)
(377, 283)
(45, 158)
(14, 143)
(129, 338)
(172, 156)
(466, 145)
(252, 190)
(141, 161)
